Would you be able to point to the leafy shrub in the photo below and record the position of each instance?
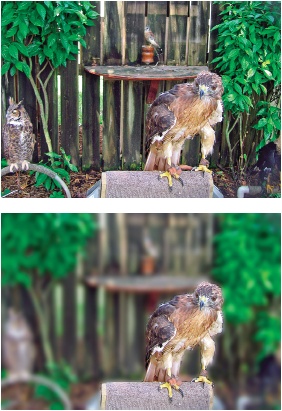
(249, 55)
(247, 265)
(61, 165)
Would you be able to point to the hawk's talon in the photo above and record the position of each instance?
(203, 168)
(181, 392)
(181, 181)
(169, 386)
(203, 379)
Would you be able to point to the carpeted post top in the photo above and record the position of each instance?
(146, 396)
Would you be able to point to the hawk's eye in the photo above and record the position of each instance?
(213, 88)
(197, 295)
(213, 298)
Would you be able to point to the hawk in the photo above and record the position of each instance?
(179, 325)
(18, 137)
(179, 114)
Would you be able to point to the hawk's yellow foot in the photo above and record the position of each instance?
(169, 385)
(203, 378)
(203, 166)
(172, 172)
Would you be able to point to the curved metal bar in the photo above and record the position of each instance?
(44, 170)
(39, 379)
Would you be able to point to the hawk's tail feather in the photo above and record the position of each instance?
(150, 373)
(150, 163)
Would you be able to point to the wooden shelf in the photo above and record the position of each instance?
(151, 73)
(137, 73)
(145, 284)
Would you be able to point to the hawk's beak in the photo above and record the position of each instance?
(203, 90)
(202, 301)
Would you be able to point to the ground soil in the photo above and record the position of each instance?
(21, 396)
(82, 181)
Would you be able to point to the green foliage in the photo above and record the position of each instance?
(269, 122)
(249, 51)
(5, 192)
(62, 166)
(47, 29)
(41, 248)
(57, 194)
(249, 55)
(247, 265)
(61, 374)
(4, 163)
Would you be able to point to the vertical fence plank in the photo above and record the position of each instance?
(113, 32)
(132, 123)
(91, 99)
(215, 20)
(69, 108)
(191, 152)
(156, 20)
(111, 129)
(135, 24)
(91, 358)
(198, 33)
(177, 33)
(69, 319)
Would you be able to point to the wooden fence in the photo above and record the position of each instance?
(99, 313)
(182, 28)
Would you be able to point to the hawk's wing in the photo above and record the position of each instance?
(159, 121)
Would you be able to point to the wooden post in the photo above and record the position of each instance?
(69, 108)
(146, 396)
(111, 129)
(91, 100)
(132, 123)
(198, 34)
(177, 32)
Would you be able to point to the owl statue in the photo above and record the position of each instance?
(18, 350)
(18, 137)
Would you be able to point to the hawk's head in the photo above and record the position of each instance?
(208, 295)
(208, 84)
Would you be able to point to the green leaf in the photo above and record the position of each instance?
(52, 39)
(22, 48)
(13, 51)
(5, 68)
(23, 29)
(73, 167)
(53, 155)
(26, 69)
(41, 10)
(233, 53)
(40, 179)
(251, 72)
(65, 42)
(19, 65)
(13, 70)
(11, 32)
(268, 74)
(33, 49)
(264, 89)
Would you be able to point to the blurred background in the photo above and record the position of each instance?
(77, 291)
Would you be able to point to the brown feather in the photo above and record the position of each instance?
(181, 113)
(178, 325)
